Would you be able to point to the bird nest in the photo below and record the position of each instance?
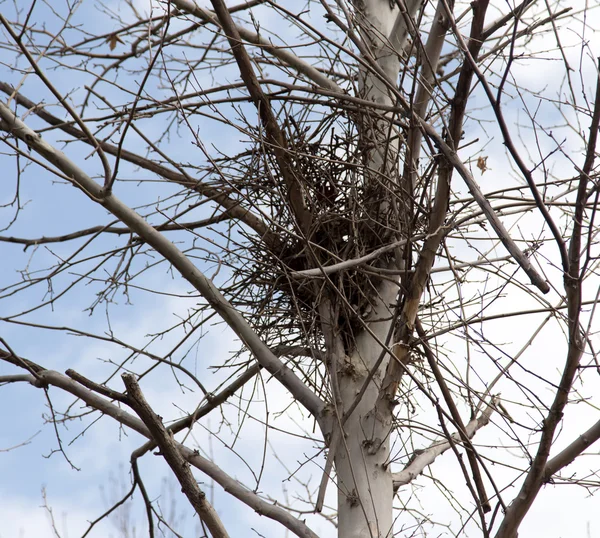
(351, 217)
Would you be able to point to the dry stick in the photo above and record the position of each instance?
(232, 486)
(348, 264)
(100, 389)
(170, 252)
(169, 450)
(573, 279)
(233, 207)
(135, 469)
(515, 13)
(362, 260)
(275, 136)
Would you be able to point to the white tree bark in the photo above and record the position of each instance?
(365, 490)
(362, 460)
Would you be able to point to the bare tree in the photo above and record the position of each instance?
(389, 204)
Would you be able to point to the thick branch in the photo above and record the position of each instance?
(275, 136)
(508, 142)
(169, 450)
(568, 455)
(171, 253)
(519, 256)
(230, 485)
(426, 457)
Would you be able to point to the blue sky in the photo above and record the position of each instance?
(102, 452)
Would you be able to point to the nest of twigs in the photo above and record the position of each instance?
(347, 222)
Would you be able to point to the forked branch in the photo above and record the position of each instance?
(169, 450)
(232, 486)
(10, 123)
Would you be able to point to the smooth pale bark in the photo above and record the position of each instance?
(365, 489)
(362, 459)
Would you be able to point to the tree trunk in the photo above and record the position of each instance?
(362, 458)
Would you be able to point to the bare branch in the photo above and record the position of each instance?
(117, 230)
(519, 256)
(187, 269)
(283, 54)
(101, 404)
(426, 457)
(569, 454)
(432, 360)
(535, 279)
(170, 451)
(91, 139)
(232, 207)
(276, 140)
(17, 378)
(573, 286)
(212, 403)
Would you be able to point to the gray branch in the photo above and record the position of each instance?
(427, 456)
(232, 486)
(169, 450)
(10, 123)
